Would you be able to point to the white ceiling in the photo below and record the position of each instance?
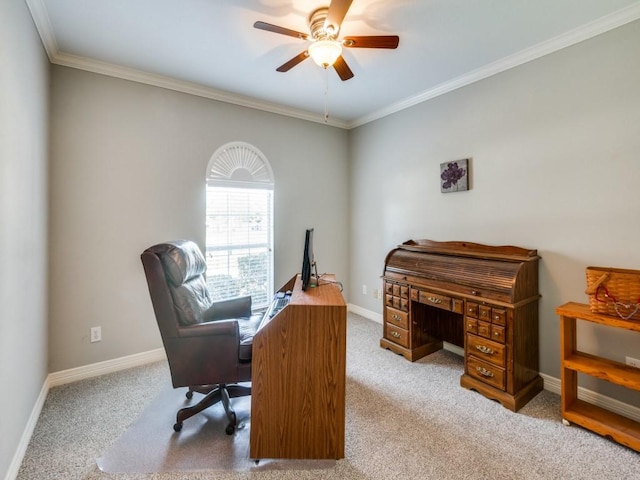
(210, 48)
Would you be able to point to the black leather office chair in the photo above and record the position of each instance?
(208, 344)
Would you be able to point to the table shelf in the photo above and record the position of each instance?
(604, 369)
(604, 422)
(617, 427)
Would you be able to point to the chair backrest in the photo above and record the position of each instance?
(175, 275)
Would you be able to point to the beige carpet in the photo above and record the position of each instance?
(150, 445)
(409, 421)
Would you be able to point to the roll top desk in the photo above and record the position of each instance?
(479, 297)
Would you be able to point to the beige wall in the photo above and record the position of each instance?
(24, 101)
(128, 171)
(555, 147)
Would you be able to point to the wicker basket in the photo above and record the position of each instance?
(614, 291)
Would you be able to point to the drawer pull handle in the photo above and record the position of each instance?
(484, 349)
(470, 310)
(396, 317)
(484, 314)
(484, 372)
(497, 334)
(497, 317)
(395, 334)
(434, 300)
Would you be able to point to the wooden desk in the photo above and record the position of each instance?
(298, 377)
(480, 297)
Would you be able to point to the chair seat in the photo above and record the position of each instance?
(248, 328)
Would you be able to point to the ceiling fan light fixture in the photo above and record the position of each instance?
(325, 52)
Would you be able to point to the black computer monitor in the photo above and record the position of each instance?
(308, 261)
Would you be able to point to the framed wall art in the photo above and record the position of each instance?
(454, 176)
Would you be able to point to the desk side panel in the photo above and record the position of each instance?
(298, 382)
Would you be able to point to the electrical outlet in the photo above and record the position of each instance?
(633, 362)
(364, 289)
(96, 334)
(375, 293)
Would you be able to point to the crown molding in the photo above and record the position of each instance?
(572, 37)
(134, 75)
(577, 35)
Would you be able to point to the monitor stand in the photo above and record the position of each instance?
(314, 276)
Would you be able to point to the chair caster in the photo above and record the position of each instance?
(189, 394)
(177, 426)
(233, 421)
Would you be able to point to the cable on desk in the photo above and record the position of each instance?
(329, 282)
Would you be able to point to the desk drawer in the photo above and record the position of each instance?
(435, 300)
(498, 333)
(397, 318)
(499, 316)
(471, 325)
(486, 372)
(484, 313)
(484, 329)
(396, 334)
(457, 305)
(486, 349)
(472, 309)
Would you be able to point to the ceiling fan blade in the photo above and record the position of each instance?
(285, 67)
(337, 11)
(343, 70)
(376, 41)
(283, 31)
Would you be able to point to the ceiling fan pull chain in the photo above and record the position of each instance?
(326, 95)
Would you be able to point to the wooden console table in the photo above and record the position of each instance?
(597, 419)
(479, 297)
(299, 375)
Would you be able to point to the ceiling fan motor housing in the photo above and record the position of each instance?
(318, 25)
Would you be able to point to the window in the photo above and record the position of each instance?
(239, 224)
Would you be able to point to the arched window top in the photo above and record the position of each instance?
(239, 164)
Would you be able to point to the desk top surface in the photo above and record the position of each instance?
(326, 293)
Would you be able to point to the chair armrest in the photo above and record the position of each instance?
(205, 353)
(211, 329)
(232, 308)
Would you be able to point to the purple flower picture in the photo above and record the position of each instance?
(454, 176)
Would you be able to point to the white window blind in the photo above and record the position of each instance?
(239, 243)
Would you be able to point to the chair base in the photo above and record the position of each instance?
(213, 394)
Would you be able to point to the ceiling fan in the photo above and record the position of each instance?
(325, 48)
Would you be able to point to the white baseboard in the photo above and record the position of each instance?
(73, 375)
(14, 467)
(363, 312)
(101, 368)
(552, 384)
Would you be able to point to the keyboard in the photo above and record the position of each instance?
(280, 300)
(280, 303)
